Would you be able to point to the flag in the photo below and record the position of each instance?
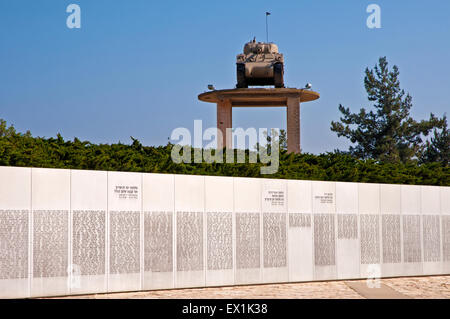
(267, 13)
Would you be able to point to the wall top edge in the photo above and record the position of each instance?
(221, 176)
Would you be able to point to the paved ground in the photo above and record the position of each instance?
(379, 291)
(410, 287)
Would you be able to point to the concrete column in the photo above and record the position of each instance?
(224, 121)
(293, 125)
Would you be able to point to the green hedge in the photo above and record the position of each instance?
(27, 151)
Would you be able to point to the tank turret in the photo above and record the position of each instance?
(260, 64)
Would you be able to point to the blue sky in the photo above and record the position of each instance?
(135, 68)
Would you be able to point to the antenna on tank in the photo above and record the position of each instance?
(267, 26)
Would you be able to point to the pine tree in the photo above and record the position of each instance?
(389, 133)
(438, 148)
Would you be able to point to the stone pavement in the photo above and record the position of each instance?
(380, 291)
(408, 287)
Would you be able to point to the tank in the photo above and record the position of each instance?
(260, 64)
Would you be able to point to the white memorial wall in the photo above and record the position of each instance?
(369, 230)
(66, 232)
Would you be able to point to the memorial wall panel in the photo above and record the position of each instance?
(324, 221)
(14, 244)
(219, 207)
(220, 241)
(15, 215)
(158, 206)
(412, 230)
(274, 239)
(274, 233)
(300, 235)
(348, 243)
(158, 242)
(124, 242)
(50, 243)
(190, 235)
(444, 194)
(247, 241)
(88, 242)
(411, 239)
(190, 241)
(445, 214)
(247, 205)
(275, 250)
(370, 230)
(89, 245)
(431, 229)
(324, 240)
(390, 206)
(124, 231)
(446, 239)
(431, 238)
(51, 226)
(391, 239)
(370, 239)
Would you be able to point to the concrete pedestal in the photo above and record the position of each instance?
(224, 122)
(293, 125)
(287, 97)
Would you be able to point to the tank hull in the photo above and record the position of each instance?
(259, 75)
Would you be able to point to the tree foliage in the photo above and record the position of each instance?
(438, 148)
(18, 149)
(387, 133)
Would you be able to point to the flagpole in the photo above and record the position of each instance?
(267, 29)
